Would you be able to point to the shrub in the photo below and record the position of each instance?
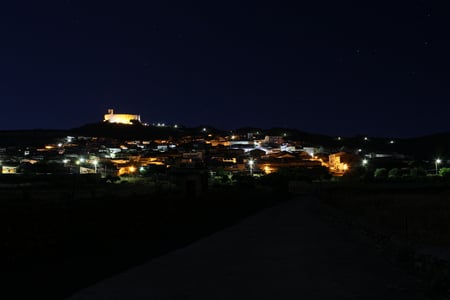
(380, 173)
(445, 173)
(359, 173)
(394, 173)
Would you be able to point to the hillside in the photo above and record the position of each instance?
(424, 147)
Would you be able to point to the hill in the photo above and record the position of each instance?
(424, 147)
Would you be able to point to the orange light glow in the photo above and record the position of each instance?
(126, 170)
(268, 169)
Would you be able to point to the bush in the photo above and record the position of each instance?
(359, 173)
(380, 173)
(445, 173)
(394, 173)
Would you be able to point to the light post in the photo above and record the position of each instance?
(365, 162)
(251, 162)
(66, 161)
(95, 162)
(436, 163)
(78, 167)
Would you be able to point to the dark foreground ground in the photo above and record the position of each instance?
(59, 240)
(284, 252)
(56, 241)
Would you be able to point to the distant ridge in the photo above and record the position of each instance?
(29, 137)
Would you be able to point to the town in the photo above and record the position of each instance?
(222, 154)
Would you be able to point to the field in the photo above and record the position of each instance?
(65, 234)
(59, 238)
(415, 213)
(408, 222)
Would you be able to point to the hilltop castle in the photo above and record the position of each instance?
(121, 118)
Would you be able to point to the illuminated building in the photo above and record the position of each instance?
(121, 118)
(8, 170)
(336, 166)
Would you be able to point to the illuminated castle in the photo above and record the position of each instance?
(121, 118)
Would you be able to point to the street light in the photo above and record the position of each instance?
(66, 165)
(436, 163)
(251, 162)
(95, 163)
(365, 162)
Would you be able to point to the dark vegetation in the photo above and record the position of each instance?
(280, 180)
(68, 234)
(416, 212)
(408, 220)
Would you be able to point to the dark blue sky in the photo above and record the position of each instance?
(333, 67)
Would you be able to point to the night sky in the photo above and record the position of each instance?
(379, 68)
